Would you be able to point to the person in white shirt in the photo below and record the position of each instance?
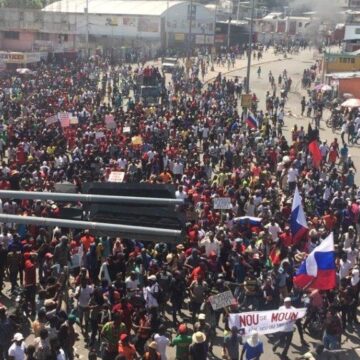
(162, 342)
(287, 333)
(180, 193)
(83, 294)
(352, 254)
(210, 244)
(17, 349)
(131, 282)
(151, 293)
(345, 266)
(274, 229)
(292, 176)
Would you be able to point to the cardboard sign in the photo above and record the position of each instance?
(265, 322)
(74, 120)
(64, 119)
(116, 176)
(246, 101)
(51, 120)
(221, 300)
(223, 203)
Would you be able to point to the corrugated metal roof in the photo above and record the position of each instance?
(344, 75)
(113, 7)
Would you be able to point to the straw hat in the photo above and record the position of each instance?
(198, 337)
(153, 345)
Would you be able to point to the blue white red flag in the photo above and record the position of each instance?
(298, 224)
(318, 270)
(252, 122)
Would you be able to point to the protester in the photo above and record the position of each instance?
(76, 122)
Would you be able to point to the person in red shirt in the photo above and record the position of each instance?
(285, 237)
(87, 240)
(30, 280)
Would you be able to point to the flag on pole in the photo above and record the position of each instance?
(252, 121)
(298, 224)
(315, 153)
(318, 270)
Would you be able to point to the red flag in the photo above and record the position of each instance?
(274, 255)
(315, 153)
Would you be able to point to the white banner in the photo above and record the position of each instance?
(265, 322)
(222, 300)
(222, 203)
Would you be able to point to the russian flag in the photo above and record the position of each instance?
(252, 121)
(318, 270)
(249, 220)
(298, 224)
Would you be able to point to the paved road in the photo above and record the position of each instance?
(294, 66)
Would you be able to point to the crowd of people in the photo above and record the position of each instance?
(123, 296)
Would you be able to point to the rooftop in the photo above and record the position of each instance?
(113, 7)
(344, 75)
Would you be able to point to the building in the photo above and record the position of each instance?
(345, 83)
(276, 27)
(341, 62)
(64, 26)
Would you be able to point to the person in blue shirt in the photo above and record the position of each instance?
(253, 348)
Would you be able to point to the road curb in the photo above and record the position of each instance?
(244, 67)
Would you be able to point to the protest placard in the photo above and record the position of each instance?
(51, 120)
(222, 203)
(116, 176)
(64, 119)
(221, 300)
(265, 322)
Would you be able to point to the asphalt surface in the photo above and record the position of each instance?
(294, 65)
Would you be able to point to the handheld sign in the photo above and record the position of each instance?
(223, 203)
(221, 300)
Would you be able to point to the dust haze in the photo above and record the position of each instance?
(326, 9)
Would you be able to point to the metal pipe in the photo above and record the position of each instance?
(128, 229)
(33, 195)
(250, 47)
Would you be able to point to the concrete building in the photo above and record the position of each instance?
(345, 83)
(63, 26)
(276, 27)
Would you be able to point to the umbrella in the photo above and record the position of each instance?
(326, 88)
(319, 87)
(348, 96)
(351, 103)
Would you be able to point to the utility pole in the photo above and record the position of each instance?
(87, 28)
(250, 47)
(229, 33)
(165, 27)
(190, 31)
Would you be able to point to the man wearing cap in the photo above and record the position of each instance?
(152, 293)
(126, 348)
(17, 349)
(182, 342)
(287, 334)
